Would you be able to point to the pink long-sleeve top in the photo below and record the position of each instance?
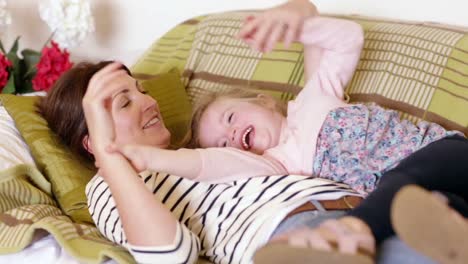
(332, 48)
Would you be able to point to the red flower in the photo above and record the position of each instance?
(52, 64)
(5, 64)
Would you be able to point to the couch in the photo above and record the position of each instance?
(418, 69)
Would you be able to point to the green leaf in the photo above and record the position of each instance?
(14, 48)
(31, 58)
(10, 86)
(12, 55)
(19, 70)
(27, 87)
(2, 48)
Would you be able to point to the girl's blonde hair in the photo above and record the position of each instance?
(192, 138)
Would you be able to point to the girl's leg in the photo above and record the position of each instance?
(429, 225)
(441, 166)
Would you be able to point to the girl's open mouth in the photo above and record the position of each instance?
(247, 138)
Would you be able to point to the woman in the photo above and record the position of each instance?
(163, 218)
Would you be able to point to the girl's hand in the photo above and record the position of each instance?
(138, 155)
(97, 103)
(282, 23)
(348, 235)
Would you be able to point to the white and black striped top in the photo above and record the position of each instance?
(225, 223)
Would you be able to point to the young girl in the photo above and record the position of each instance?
(329, 64)
(322, 135)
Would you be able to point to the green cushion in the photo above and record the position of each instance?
(173, 102)
(67, 173)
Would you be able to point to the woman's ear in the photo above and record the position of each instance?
(267, 101)
(87, 144)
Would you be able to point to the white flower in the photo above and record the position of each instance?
(69, 20)
(5, 17)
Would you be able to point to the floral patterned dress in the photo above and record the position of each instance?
(357, 144)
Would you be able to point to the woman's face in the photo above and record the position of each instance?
(136, 116)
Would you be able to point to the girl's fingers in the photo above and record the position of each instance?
(276, 34)
(291, 32)
(264, 31)
(249, 27)
(249, 41)
(261, 35)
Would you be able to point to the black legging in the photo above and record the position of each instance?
(441, 165)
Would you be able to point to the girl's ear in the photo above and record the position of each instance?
(87, 144)
(267, 101)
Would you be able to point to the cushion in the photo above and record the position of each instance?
(67, 173)
(172, 100)
(28, 212)
(167, 52)
(13, 149)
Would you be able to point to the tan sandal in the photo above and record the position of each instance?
(429, 226)
(281, 252)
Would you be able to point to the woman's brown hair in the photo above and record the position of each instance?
(62, 106)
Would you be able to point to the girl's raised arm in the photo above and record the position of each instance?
(277, 24)
(332, 48)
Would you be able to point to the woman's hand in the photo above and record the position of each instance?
(347, 235)
(281, 23)
(97, 103)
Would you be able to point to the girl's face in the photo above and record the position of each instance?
(248, 124)
(136, 116)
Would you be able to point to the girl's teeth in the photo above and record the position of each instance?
(244, 138)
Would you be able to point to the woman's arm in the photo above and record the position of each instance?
(136, 204)
(101, 204)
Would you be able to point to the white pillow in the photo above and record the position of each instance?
(13, 149)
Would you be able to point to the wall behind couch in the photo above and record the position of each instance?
(124, 28)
